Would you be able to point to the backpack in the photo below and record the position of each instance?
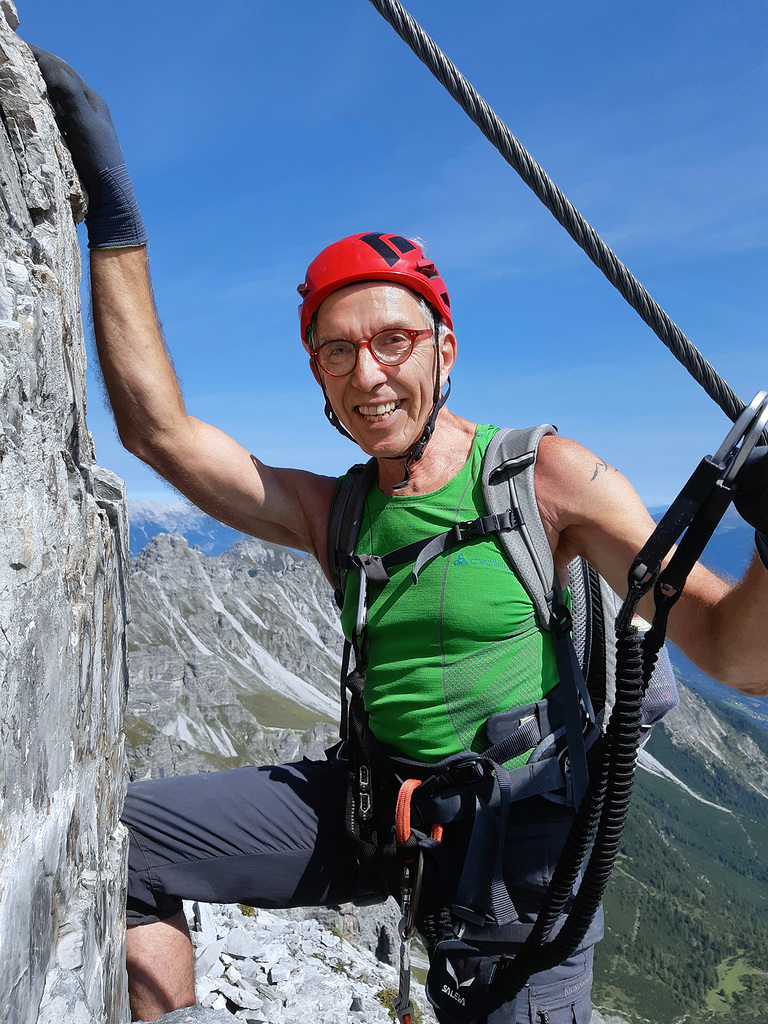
(584, 643)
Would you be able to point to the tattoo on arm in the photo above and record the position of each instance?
(601, 467)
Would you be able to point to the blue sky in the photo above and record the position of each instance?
(257, 133)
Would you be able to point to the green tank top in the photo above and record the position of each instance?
(457, 646)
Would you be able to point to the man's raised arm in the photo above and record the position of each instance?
(211, 469)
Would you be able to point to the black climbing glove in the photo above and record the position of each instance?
(750, 496)
(113, 219)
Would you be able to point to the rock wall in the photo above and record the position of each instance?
(63, 592)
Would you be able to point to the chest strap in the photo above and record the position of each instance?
(421, 552)
(375, 568)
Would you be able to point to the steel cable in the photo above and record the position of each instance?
(561, 208)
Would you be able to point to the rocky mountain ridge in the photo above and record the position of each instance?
(233, 658)
(286, 967)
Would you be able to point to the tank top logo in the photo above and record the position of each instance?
(481, 563)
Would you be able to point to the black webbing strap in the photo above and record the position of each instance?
(576, 699)
(345, 519)
(482, 887)
(678, 516)
(501, 902)
(375, 839)
(526, 735)
(462, 532)
(421, 552)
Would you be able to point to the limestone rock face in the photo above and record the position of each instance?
(63, 587)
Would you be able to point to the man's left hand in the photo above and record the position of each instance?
(750, 496)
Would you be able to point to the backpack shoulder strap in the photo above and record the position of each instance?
(344, 522)
(507, 481)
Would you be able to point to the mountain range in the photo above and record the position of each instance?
(234, 656)
(149, 518)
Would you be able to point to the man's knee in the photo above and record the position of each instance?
(161, 967)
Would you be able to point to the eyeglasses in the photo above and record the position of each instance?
(390, 348)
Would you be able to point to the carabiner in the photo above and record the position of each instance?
(362, 607)
(747, 430)
(701, 503)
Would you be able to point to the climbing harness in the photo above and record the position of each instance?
(559, 206)
(563, 729)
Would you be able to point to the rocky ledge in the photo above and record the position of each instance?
(288, 968)
(258, 967)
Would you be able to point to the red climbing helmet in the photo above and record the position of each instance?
(371, 257)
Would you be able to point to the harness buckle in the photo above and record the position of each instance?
(466, 772)
(470, 528)
(365, 799)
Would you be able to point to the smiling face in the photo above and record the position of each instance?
(384, 408)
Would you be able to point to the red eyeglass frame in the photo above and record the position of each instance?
(413, 333)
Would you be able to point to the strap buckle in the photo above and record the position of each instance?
(496, 522)
(562, 622)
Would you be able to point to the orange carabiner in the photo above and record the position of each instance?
(403, 814)
(403, 810)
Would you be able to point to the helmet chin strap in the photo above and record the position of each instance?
(429, 428)
(438, 401)
(333, 419)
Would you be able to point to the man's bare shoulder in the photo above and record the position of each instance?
(588, 507)
(560, 456)
(565, 473)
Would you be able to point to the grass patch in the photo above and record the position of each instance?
(730, 980)
(387, 997)
(138, 732)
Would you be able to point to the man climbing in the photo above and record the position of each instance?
(444, 657)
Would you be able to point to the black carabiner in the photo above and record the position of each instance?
(701, 504)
